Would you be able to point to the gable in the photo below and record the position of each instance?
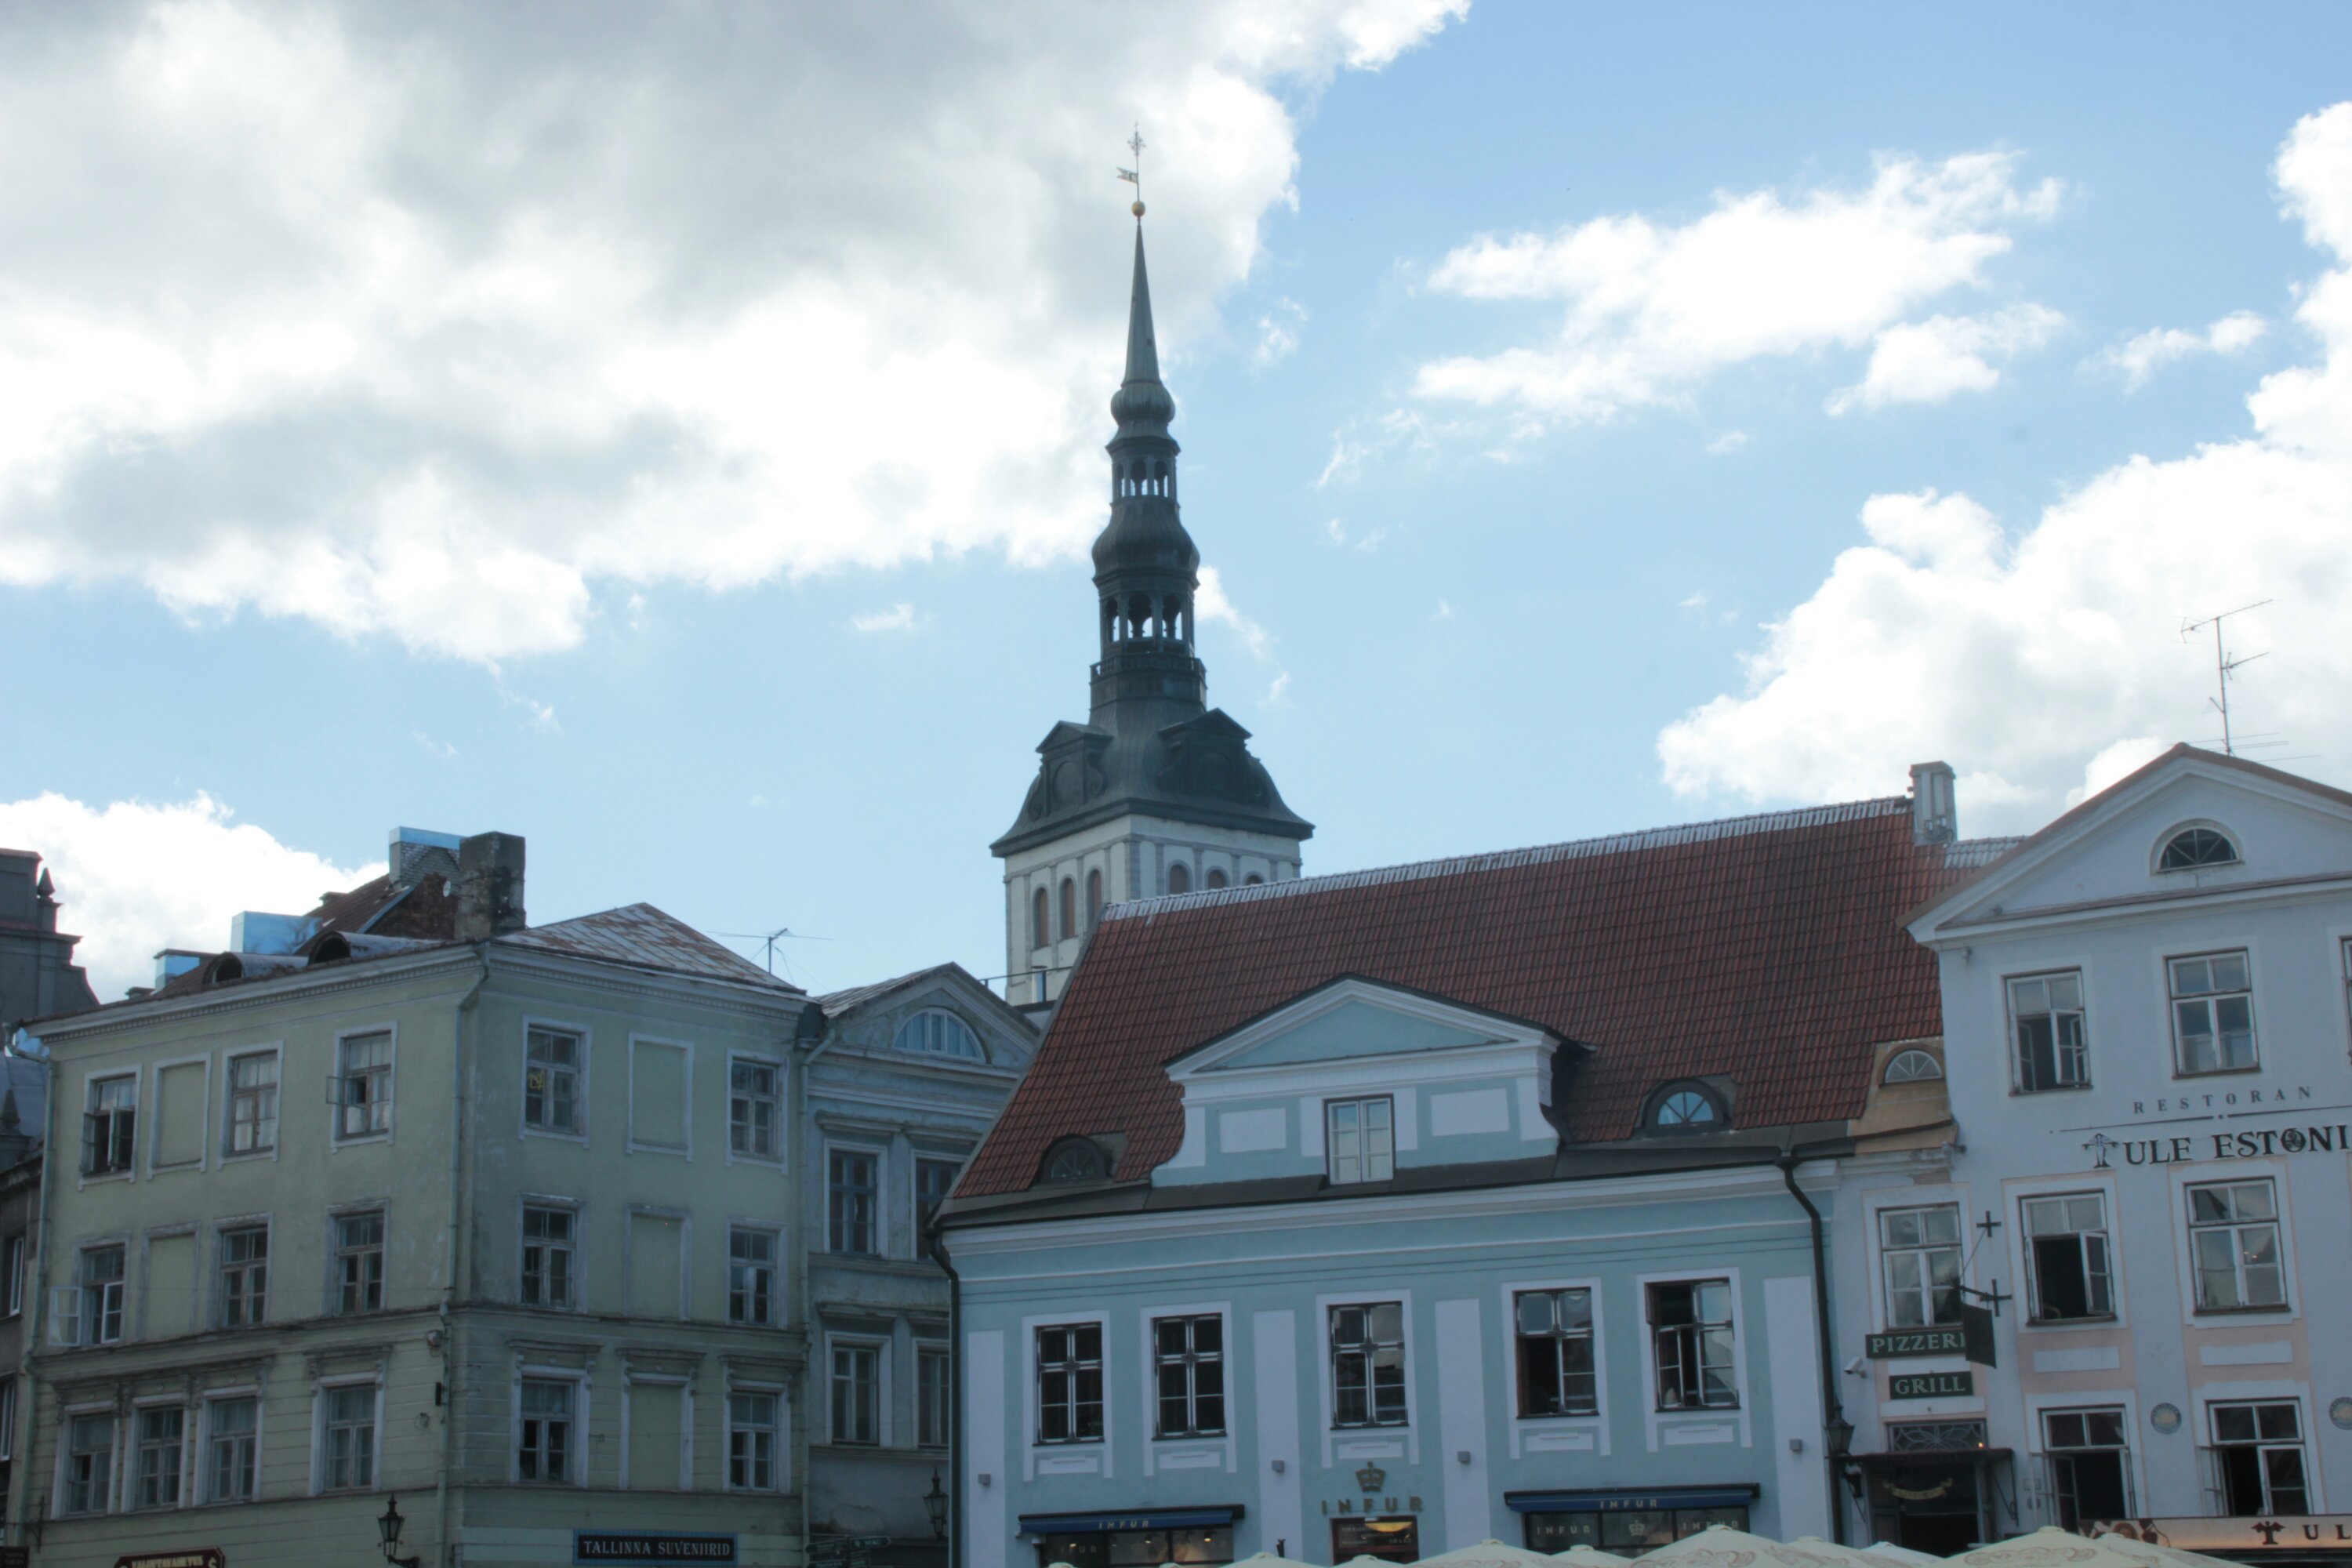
(1357, 1028)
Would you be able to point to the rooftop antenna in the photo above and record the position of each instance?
(768, 940)
(2223, 665)
(1135, 177)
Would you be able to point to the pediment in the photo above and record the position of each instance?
(1354, 1020)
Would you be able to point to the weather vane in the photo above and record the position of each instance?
(1135, 177)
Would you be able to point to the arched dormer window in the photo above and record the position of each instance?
(1042, 932)
(1094, 897)
(1684, 1108)
(942, 1034)
(1069, 907)
(1179, 879)
(1252, 880)
(1216, 877)
(2193, 848)
(1075, 1160)
(1913, 1067)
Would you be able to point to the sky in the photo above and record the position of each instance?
(673, 432)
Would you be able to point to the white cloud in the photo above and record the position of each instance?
(897, 619)
(1363, 442)
(2141, 357)
(1926, 362)
(135, 878)
(1277, 334)
(1731, 441)
(1652, 309)
(1444, 611)
(2045, 664)
(442, 749)
(435, 323)
(1213, 607)
(1367, 540)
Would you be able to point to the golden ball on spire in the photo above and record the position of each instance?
(1139, 209)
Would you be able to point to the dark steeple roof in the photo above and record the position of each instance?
(1151, 745)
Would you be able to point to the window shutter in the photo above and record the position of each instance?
(89, 1136)
(65, 1315)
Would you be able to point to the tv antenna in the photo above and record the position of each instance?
(768, 940)
(2224, 667)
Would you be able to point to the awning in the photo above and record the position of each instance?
(1590, 1500)
(1142, 1518)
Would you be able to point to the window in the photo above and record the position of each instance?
(751, 1109)
(2067, 1259)
(849, 1201)
(364, 1085)
(1069, 909)
(543, 1431)
(253, 1103)
(942, 1033)
(1684, 1108)
(548, 1256)
(347, 1438)
(89, 1464)
(1913, 1067)
(1094, 897)
(7, 1423)
(2233, 1244)
(359, 1262)
(2212, 1012)
(1368, 1365)
(1921, 1247)
(110, 1125)
(934, 1180)
(2053, 1044)
(2258, 1459)
(1188, 1358)
(1041, 932)
(857, 1392)
(233, 1449)
(1252, 880)
(933, 1391)
(2197, 846)
(1691, 1324)
(550, 1080)
(1625, 1533)
(1214, 879)
(1360, 1139)
(158, 1457)
(244, 1276)
(1179, 879)
(2089, 1465)
(1075, 1159)
(97, 1299)
(751, 1442)
(1555, 1338)
(750, 1276)
(1070, 1383)
(12, 1264)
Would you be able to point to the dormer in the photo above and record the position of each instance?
(1358, 1083)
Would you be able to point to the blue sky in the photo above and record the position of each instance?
(1533, 363)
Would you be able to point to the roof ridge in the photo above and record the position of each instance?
(1533, 854)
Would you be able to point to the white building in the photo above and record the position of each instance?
(2145, 1042)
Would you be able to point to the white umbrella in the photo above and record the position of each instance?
(1263, 1560)
(1860, 1556)
(1589, 1557)
(1901, 1553)
(2051, 1547)
(1720, 1546)
(1489, 1554)
(2157, 1555)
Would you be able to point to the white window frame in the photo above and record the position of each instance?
(1658, 1421)
(2021, 1251)
(532, 1372)
(1899, 1202)
(1330, 1173)
(2270, 1393)
(336, 1137)
(139, 1411)
(90, 1083)
(880, 1345)
(776, 1128)
(335, 1218)
(1650, 1329)
(69, 1303)
(109, 1503)
(1147, 1336)
(775, 1234)
(684, 1048)
(2038, 1405)
(12, 1260)
(580, 1099)
(220, 1266)
(226, 1130)
(2007, 983)
(945, 1351)
(2223, 947)
(631, 1380)
(880, 1155)
(321, 1392)
(9, 1401)
(1597, 1424)
(579, 1212)
(1105, 1449)
(211, 1399)
(780, 1462)
(2274, 1171)
(1414, 1406)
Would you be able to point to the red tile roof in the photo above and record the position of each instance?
(1767, 949)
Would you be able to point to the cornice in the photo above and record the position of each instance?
(245, 996)
(600, 974)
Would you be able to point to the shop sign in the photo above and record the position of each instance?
(2244, 1532)
(1931, 1385)
(16, 1557)
(1915, 1342)
(191, 1557)
(2108, 1153)
(633, 1548)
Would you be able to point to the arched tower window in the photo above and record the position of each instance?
(1094, 897)
(1179, 879)
(1042, 932)
(1069, 907)
(1913, 1067)
(1252, 880)
(2194, 847)
(1216, 877)
(940, 1033)
(1684, 1108)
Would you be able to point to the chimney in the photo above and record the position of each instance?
(417, 853)
(489, 886)
(1934, 816)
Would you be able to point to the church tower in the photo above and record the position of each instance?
(1157, 793)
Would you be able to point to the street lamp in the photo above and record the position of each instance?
(388, 1530)
(935, 1503)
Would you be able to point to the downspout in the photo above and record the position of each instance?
(808, 1043)
(460, 1059)
(955, 1397)
(37, 1310)
(1832, 1410)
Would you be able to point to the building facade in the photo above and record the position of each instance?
(2148, 1050)
(493, 1217)
(1156, 793)
(1389, 1211)
(38, 977)
(895, 1097)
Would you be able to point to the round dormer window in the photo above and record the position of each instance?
(1685, 1108)
(2194, 849)
(1913, 1067)
(1075, 1159)
(942, 1034)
